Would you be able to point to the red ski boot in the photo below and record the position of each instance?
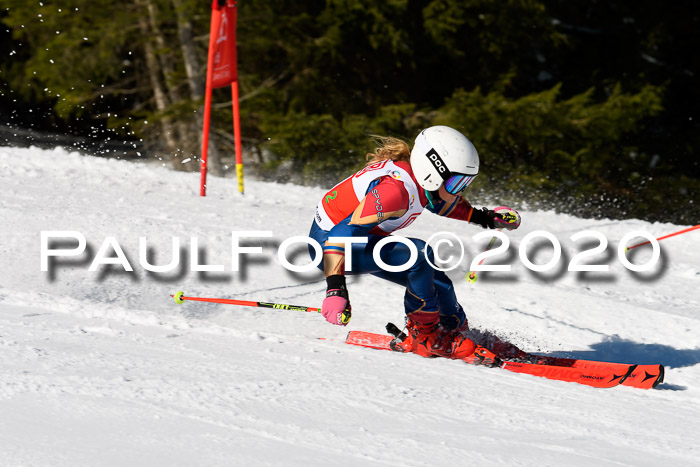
(429, 339)
(454, 344)
(420, 338)
(451, 343)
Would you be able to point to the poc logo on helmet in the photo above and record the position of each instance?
(436, 160)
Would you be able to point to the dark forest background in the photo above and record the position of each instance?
(590, 107)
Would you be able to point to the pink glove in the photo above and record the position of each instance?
(336, 306)
(506, 218)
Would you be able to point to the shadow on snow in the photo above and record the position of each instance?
(615, 349)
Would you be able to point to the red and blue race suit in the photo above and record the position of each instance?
(374, 202)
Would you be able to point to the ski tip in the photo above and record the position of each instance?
(178, 297)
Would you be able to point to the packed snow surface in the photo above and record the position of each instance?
(103, 368)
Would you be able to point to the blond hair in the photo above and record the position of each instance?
(390, 148)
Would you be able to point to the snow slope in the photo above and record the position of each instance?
(103, 368)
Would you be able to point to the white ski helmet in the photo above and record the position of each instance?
(440, 153)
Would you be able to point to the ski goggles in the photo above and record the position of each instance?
(457, 183)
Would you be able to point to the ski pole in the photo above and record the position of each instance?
(471, 277)
(180, 298)
(666, 236)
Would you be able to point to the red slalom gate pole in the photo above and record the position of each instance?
(181, 298)
(215, 22)
(666, 236)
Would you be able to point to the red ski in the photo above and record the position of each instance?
(588, 372)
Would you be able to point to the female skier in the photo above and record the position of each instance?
(387, 195)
